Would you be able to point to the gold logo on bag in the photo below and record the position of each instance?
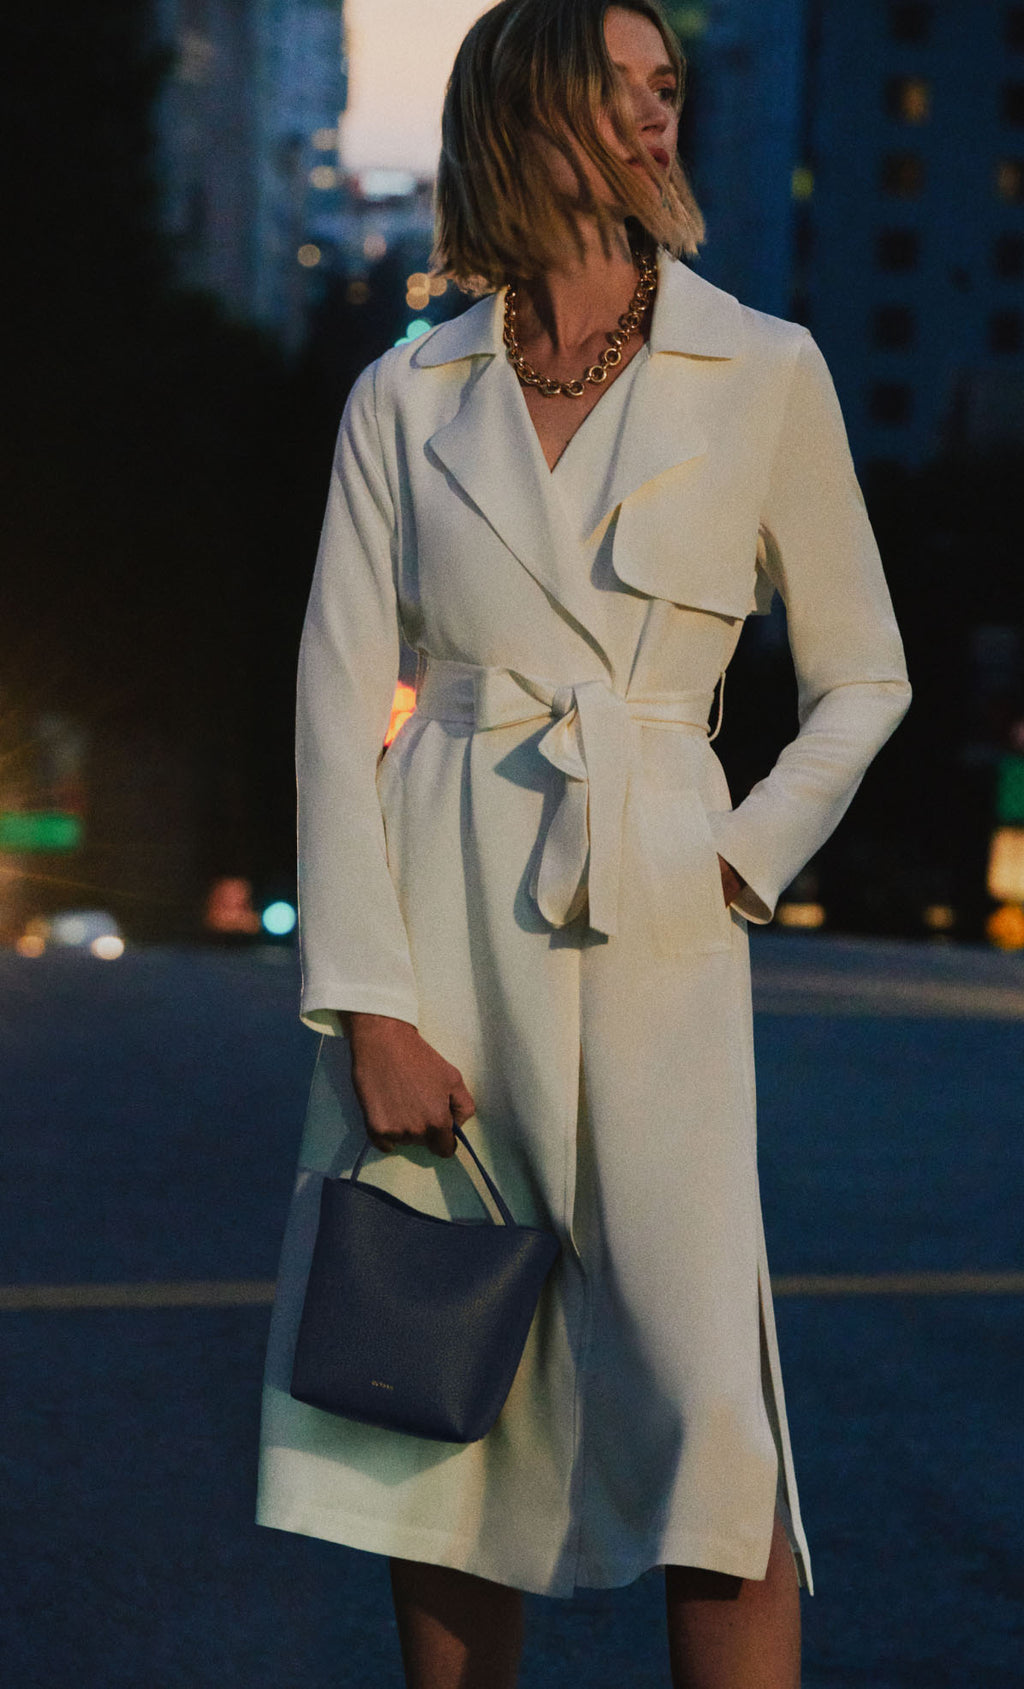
(379, 1384)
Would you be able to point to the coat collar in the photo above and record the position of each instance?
(691, 316)
(491, 448)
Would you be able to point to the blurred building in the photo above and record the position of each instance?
(742, 123)
(861, 168)
(248, 149)
(910, 240)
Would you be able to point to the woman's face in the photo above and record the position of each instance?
(648, 82)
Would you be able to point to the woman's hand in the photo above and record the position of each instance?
(732, 885)
(408, 1093)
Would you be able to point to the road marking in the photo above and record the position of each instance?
(253, 1293)
(790, 992)
(898, 1284)
(185, 1293)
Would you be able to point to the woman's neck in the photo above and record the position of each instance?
(565, 307)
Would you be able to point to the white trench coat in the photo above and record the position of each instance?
(529, 875)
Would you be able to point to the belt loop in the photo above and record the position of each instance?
(721, 703)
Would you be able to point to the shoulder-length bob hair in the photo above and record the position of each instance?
(531, 70)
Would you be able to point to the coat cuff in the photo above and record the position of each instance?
(756, 902)
(327, 1009)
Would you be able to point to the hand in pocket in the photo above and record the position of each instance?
(732, 884)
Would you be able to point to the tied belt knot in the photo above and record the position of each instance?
(593, 741)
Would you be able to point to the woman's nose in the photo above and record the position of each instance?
(652, 114)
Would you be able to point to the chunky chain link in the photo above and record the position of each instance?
(629, 322)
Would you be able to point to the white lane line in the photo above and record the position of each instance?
(186, 1293)
(251, 1293)
(898, 1284)
(785, 992)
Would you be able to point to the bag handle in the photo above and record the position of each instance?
(500, 1204)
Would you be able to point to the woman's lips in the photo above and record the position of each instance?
(660, 156)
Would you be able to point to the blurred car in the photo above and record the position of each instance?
(93, 930)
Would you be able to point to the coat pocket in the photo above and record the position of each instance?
(675, 880)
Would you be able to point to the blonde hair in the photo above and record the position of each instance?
(540, 68)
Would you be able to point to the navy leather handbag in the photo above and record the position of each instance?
(412, 1322)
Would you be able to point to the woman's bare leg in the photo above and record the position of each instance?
(457, 1631)
(735, 1633)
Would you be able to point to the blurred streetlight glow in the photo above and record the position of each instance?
(1006, 927)
(279, 919)
(1006, 865)
(309, 256)
(939, 917)
(417, 327)
(325, 140)
(323, 176)
(229, 906)
(108, 948)
(375, 247)
(807, 916)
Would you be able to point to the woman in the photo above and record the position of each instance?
(533, 908)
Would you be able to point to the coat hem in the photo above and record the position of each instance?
(436, 1548)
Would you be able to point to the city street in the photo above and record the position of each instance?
(150, 1112)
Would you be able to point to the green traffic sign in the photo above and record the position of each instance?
(1010, 790)
(39, 829)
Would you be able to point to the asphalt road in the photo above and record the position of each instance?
(150, 1113)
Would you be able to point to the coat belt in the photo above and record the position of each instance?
(593, 741)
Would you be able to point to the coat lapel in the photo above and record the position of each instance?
(491, 448)
(662, 427)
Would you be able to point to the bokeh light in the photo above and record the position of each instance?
(279, 919)
(108, 948)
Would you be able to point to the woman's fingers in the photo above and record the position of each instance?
(462, 1105)
(408, 1093)
(441, 1140)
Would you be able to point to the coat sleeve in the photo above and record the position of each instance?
(852, 682)
(353, 943)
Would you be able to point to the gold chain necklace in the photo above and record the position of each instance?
(629, 322)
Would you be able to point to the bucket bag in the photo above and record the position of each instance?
(412, 1322)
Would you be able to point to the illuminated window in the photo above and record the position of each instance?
(1013, 28)
(890, 402)
(897, 249)
(1006, 331)
(911, 23)
(1010, 180)
(902, 174)
(1008, 256)
(908, 99)
(1013, 103)
(892, 326)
